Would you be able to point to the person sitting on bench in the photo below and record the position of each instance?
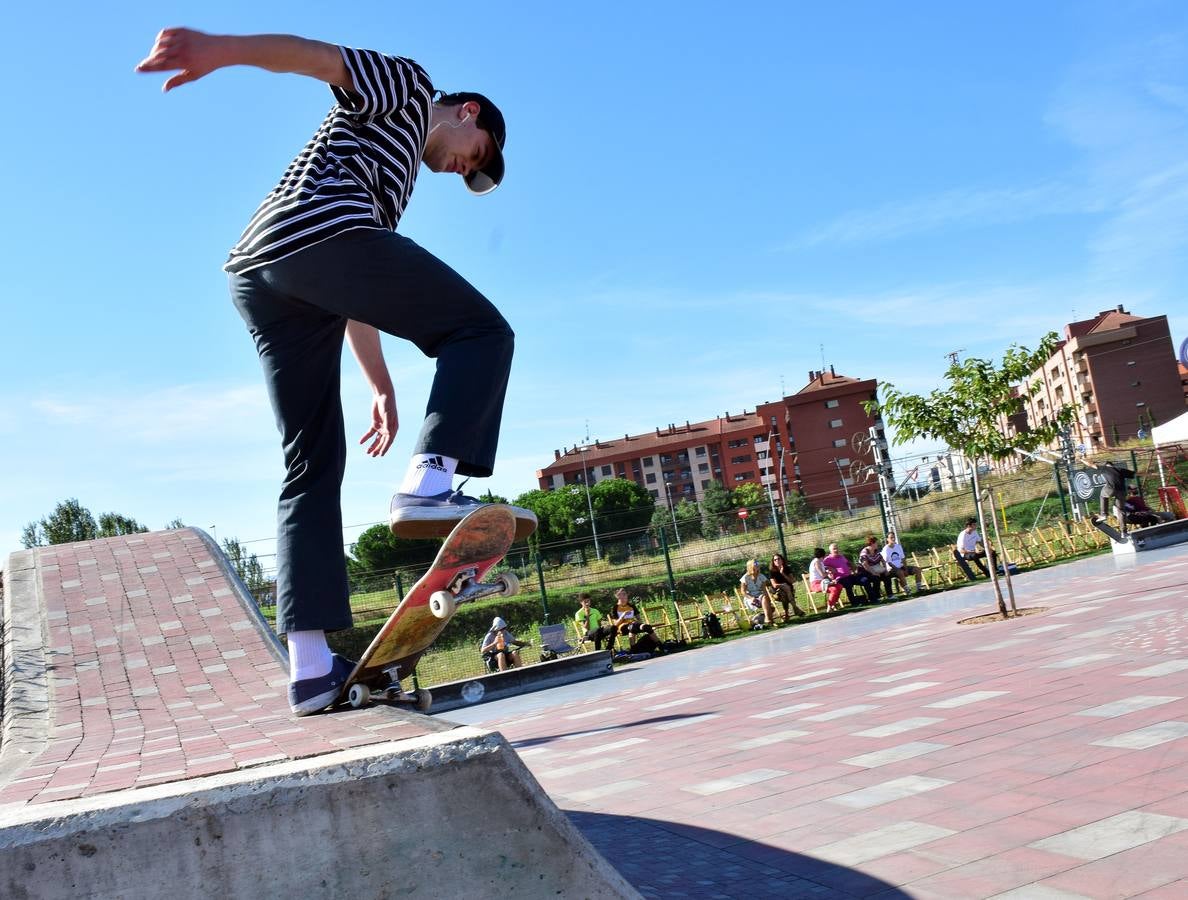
(500, 647)
(969, 548)
(1139, 514)
(589, 622)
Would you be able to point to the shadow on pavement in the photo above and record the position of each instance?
(667, 859)
(654, 720)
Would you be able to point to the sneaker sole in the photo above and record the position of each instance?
(315, 704)
(438, 523)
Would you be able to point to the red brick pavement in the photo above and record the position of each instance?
(160, 673)
(1042, 757)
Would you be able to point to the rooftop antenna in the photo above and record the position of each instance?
(953, 356)
(781, 385)
(822, 346)
(587, 431)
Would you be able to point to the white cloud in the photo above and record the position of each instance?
(965, 207)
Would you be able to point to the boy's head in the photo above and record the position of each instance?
(467, 138)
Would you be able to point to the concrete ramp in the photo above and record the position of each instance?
(148, 751)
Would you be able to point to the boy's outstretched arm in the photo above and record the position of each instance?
(193, 54)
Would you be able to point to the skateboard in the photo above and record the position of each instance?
(477, 543)
(1108, 530)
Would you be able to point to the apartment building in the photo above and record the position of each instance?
(800, 443)
(1120, 372)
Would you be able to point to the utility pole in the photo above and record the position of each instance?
(953, 357)
(878, 446)
(672, 512)
(1068, 456)
(845, 487)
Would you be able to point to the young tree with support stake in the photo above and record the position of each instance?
(970, 414)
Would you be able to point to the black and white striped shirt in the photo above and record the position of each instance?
(357, 171)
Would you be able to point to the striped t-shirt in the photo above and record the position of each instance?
(357, 171)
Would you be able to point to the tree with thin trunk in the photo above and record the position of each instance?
(971, 415)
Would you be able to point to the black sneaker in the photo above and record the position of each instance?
(411, 516)
(311, 695)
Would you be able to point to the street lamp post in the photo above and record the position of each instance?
(672, 512)
(845, 487)
(589, 502)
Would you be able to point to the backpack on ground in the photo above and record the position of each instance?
(711, 626)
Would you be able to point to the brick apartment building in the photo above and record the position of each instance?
(1121, 373)
(800, 443)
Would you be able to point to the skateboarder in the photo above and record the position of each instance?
(320, 261)
(1113, 492)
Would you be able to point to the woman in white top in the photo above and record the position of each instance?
(754, 589)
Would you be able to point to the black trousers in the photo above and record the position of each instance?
(297, 310)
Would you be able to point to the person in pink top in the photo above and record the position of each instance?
(843, 572)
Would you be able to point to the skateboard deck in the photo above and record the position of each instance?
(476, 544)
(1109, 531)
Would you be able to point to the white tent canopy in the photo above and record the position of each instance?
(1170, 432)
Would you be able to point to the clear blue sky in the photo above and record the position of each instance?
(698, 196)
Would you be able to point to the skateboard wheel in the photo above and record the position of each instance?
(359, 695)
(441, 604)
(424, 700)
(510, 583)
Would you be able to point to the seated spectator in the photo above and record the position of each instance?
(969, 547)
(876, 568)
(754, 584)
(844, 574)
(822, 579)
(500, 647)
(780, 577)
(643, 639)
(621, 617)
(894, 556)
(589, 622)
(1139, 514)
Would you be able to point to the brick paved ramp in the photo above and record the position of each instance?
(147, 750)
(895, 753)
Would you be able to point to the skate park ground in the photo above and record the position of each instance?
(894, 752)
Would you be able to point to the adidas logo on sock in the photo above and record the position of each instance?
(433, 462)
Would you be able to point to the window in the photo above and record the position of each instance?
(665, 459)
(840, 442)
(651, 479)
(831, 404)
(736, 460)
(655, 495)
(705, 484)
(735, 444)
(703, 467)
(846, 482)
(648, 462)
(606, 470)
(844, 461)
(742, 476)
(700, 451)
(835, 423)
(762, 454)
(683, 456)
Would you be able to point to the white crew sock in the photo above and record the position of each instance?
(429, 474)
(309, 655)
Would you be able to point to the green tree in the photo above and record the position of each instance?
(717, 509)
(174, 523)
(967, 414)
(688, 516)
(31, 536)
(620, 505)
(488, 497)
(114, 525)
(753, 498)
(70, 521)
(556, 511)
(247, 567)
(377, 553)
(799, 510)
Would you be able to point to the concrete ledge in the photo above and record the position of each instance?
(567, 670)
(444, 815)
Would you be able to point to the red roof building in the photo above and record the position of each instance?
(802, 443)
(1121, 373)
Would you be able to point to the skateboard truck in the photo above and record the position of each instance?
(466, 589)
(360, 694)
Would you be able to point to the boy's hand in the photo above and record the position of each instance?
(384, 424)
(192, 52)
